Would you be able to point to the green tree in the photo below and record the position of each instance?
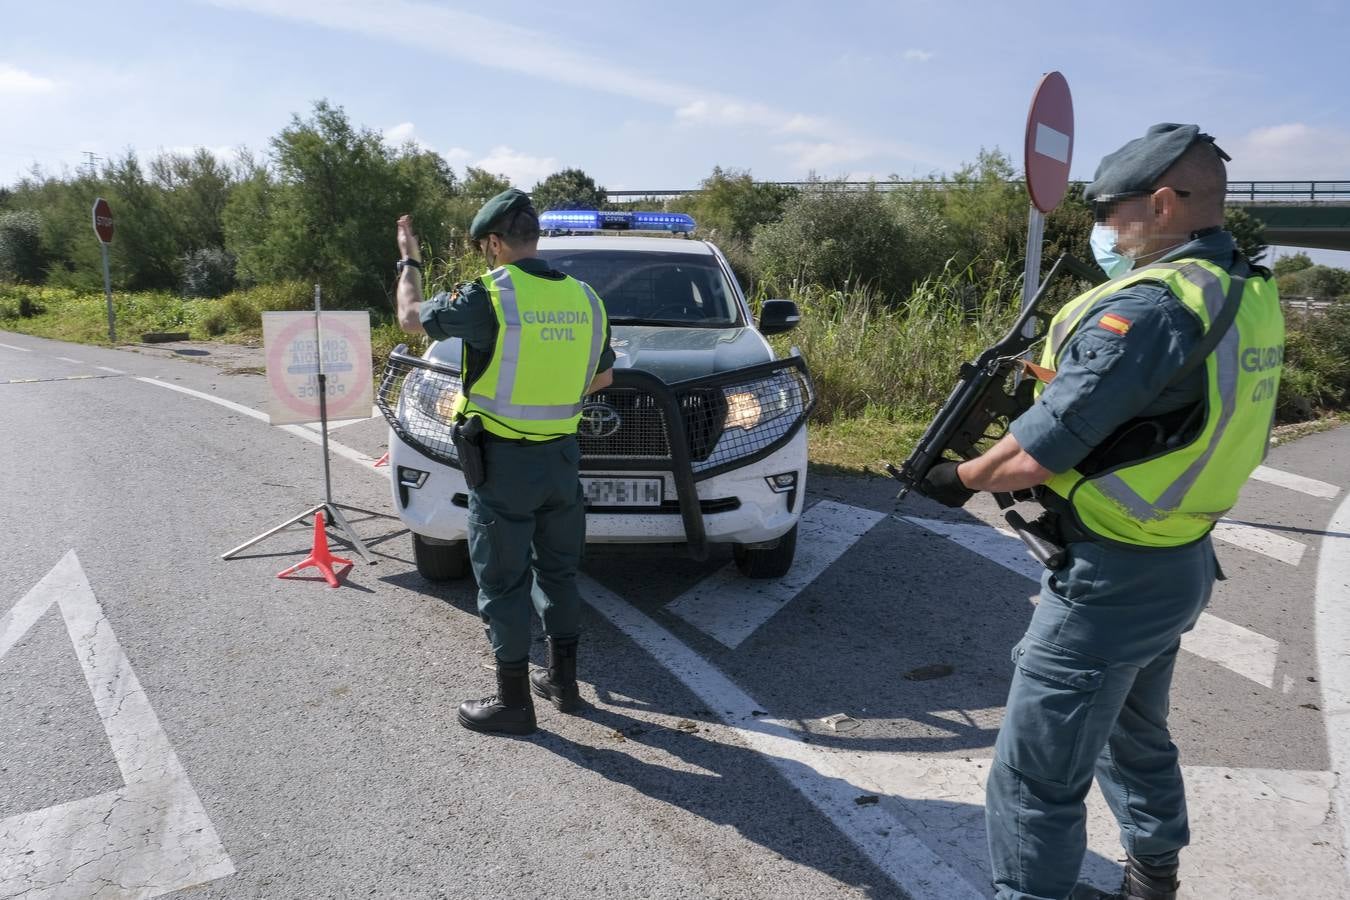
(1288, 265)
(987, 212)
(324, 212)
(1321, 282)
(568, 189)
(1247, 230)
(730, 205)
(478, 187)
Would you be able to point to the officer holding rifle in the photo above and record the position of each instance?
(1159, 404)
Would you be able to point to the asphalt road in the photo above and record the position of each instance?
(171, 723)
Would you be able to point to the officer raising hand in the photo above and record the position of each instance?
(524, 378)
(1154, 418)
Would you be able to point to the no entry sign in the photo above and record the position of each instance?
(103, 220)
(1049, 142)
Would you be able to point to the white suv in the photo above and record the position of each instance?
(701, 439)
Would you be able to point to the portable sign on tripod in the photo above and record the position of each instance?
(318, 368)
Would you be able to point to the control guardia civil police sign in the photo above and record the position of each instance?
(294, 354)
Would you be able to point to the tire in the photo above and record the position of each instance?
(440, 562)
(770, 563)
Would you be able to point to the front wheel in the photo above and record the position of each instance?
(773, 562)
(440, 561)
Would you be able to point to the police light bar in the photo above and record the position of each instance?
(597, 220)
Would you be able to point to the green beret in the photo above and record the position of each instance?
(507, 201)
(1139, 164)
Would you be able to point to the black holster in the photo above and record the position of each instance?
(467, 436)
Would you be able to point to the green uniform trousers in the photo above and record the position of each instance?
(527, 530)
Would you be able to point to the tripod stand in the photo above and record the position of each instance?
(332, 510)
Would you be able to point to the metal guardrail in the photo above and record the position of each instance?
(1245, 191)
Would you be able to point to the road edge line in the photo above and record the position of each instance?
(1332, 634)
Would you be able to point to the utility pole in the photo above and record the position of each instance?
(91, 161)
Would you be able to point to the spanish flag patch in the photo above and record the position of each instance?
(1112, 322)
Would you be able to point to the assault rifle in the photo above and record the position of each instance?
(989, 394)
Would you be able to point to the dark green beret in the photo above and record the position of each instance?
(1139, 164)
(507, 201)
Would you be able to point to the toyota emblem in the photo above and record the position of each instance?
(598, 420)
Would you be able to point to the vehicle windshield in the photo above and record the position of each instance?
(648, 288)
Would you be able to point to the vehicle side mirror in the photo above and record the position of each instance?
(778, 316)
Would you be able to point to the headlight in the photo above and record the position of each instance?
(742, 410)
(433, 394)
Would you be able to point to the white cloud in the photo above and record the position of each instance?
(922, 56)
(457, 156)
(829, 155)
(225, 153)
(400, 134)
(523, 170)
(479, 39)
(833, 158)
(1293, 150)
(14, 80)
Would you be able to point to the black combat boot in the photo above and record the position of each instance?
(1144, 882)
(511, 711)
(558, 683)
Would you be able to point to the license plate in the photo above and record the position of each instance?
(623, 491)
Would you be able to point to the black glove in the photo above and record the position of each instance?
(943, 485)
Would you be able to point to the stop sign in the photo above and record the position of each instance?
(103, 220)
(1049, 142)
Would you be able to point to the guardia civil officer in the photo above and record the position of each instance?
(1160, 407)
(535, 343)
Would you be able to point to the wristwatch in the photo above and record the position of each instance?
(405, 262)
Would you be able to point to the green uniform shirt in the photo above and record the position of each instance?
(467, 313)
(1105, 378)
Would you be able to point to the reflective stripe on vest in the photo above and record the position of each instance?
(1192, 485)
(535, 381)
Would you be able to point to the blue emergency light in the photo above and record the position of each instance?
(604, 220)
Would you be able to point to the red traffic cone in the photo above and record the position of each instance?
(383, 460)
(320, 557)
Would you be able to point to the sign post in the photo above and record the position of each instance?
(318, 366)
(103, 227)
(1048, 151)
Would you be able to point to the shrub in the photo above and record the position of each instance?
(208, 272)
(834, 237)
(21, 253)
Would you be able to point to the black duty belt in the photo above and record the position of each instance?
(525, 442)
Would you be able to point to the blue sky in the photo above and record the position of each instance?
(653, 95)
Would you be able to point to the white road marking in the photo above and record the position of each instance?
(895, 849)
(1285, 844)
(1332, 616)
(313, 437)
(730, 607)
(1237, 649)
(334, 426)
(1310, 486)
(1259, 540)
(78, 362)
(20, 349)
(110, 369)
(151, 836)
(998, 545)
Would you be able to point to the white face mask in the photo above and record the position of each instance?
(1104, 247)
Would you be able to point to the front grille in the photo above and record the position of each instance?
(641, 432)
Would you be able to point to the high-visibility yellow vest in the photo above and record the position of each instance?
(1175, 497)
(550, 336)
